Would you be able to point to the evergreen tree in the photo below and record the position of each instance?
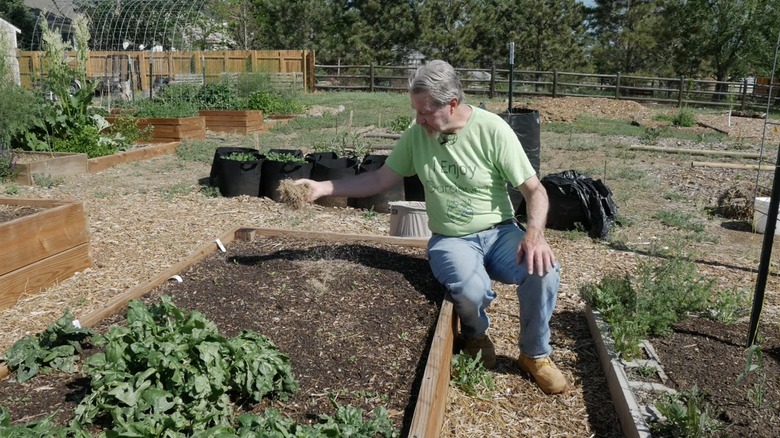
(551, 35)
(16, 13)
(625, 35)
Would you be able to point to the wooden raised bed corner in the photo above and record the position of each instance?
(175, 129)
(43, 248)
(234, 122)
(52, 164)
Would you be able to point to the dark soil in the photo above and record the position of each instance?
(711, 356)
(355, 319)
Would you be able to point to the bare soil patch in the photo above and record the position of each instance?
(355, 320)
(10, 212)
(711, 356)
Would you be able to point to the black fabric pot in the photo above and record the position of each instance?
(328, 166)
(413, 189)
(275, 171)
(527, 126)
(379, 202)
(218, 154)
(235, 178)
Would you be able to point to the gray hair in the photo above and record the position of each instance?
(439, 80)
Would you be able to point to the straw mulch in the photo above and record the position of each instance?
(147, 216)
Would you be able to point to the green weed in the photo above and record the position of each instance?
(661, 295)
(12, 189)
(684, 118)
(46, 181)
(370, 213)
(754, 364)
(687, 414)
(470, 375)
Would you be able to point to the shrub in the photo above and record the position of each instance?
(271, 102)
(684, 118)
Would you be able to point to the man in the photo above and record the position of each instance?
(464, 156)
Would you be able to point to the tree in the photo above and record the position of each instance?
(551, 34)
(442, 36)
(723, 38)
(16, 13)
(625, 35)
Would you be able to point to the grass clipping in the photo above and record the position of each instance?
(292, 194)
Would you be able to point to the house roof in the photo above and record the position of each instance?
(62, 8)
(6, 25)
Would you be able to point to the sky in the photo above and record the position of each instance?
(587, 2)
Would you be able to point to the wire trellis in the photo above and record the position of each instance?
(133, 25)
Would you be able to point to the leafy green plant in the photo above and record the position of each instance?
(400, 124)
(729, 305)
(7, 164)
(242, 156)
(686, 414)
(662, 294)
(12, 189)
(284, 157)
(39, 428)
(126, 125)
(171, 370)
(470, 375)
(220, 95)
(272, 102)
(56, 348)
(165, 109)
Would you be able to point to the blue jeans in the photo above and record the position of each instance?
(466, 265)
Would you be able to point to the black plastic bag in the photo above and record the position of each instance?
(578, 201)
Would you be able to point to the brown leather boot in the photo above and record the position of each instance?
(473, 345)
(545, 373)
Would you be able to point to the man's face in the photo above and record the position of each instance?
(433, 118)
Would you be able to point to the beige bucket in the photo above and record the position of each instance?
(760, 212)
(409, 219)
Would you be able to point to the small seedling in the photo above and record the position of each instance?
(46, 181)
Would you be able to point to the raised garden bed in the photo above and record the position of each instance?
(701, 353)
(175, 129)
(360, 316)
(53, 164)
(41, 248)
(241, 122)
(99, 164)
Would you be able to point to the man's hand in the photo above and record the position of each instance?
(538, 254)
(317, 189)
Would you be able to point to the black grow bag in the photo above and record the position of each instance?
(276, 171)
(235, 178)
(379, 202)
(526, 123)
(414, 189)
(329, 166)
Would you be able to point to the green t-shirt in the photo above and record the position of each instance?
(465, 178)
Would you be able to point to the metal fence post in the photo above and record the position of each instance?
(617, 86)
(493, 81)
(680, 92)
(555, 84)
(744, 93)
(371, 77)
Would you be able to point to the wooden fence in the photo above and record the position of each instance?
(495, 82)
(142, 69)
